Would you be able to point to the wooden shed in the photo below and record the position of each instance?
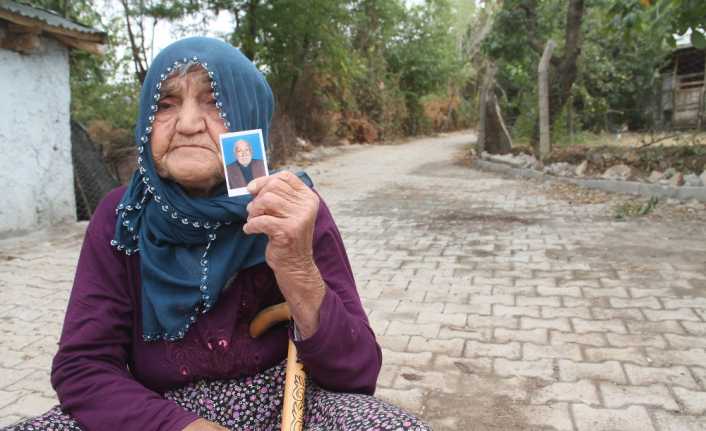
(682, 87)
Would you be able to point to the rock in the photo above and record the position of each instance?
(669, 173)
(304, 144)
(308, 156)
(582, 168)
(703, 178)
(692, 180)
(507, 159)
(632, 157)
(596, 159)
(343, 142)
(677, 180)
(561, 169)
(693, 203)
(330, 151)
(619, 172)
(608, 157)
(528, 161)
(517, 161)
(655, 176)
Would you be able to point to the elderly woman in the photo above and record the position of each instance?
(172, 272)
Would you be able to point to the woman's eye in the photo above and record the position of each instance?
(165, 105)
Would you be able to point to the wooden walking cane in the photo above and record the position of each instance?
(295, 377)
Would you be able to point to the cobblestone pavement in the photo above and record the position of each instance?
(499, 305)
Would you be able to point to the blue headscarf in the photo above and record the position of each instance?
(190, 247)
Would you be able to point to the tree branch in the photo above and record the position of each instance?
(572, 44)
(530, 10)
(139, 66)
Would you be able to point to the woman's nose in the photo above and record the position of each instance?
(191, 118)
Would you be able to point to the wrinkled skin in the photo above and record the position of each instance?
(185, 134)
(285, 210)
(243, 153)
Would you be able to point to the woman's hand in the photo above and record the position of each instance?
(285, 210)
(204, 425)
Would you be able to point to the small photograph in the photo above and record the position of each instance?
(244, 159)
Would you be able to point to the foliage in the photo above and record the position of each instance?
(363, 70)
(520, 32)
(377, 69)
(374, 89)
(99, 91)
(666, 18)
(304, 47)
(424, 32)
(634, 208)
(617, 84)
(623, 47)
(97, 94)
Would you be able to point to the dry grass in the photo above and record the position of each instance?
(639, 139)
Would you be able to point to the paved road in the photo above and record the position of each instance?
(499, 306)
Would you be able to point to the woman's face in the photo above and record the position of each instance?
(185, 134)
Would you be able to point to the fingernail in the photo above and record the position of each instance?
(251, 186)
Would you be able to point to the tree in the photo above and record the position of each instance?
(99, 90)
(667, 18)
(423, 54)
(524, 23)
(353, 69)
(136, 38)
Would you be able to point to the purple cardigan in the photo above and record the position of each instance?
(106, 377)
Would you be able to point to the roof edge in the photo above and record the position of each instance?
(66, 31)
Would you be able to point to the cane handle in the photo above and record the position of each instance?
(295, 376)
(268, 318)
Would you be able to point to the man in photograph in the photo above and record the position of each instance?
(245, 168)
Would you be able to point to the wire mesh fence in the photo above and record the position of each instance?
(92, 179)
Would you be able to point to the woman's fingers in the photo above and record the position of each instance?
(267, 224)
(292, 180)
(284, 209)
(280, 182)
(281, 195)
(268, 203)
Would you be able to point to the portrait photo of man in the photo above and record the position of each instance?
(243, 162)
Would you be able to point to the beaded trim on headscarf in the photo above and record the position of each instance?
(122, 210)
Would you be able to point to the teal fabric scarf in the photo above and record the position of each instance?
(190, 247)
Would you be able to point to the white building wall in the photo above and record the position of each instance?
(36, 173)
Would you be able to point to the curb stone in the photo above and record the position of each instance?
(683, 193)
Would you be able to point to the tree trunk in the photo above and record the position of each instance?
(545, 146)
(493, 136)
(485, 89)
(564, 74)
(563, 70)
(504, 140)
